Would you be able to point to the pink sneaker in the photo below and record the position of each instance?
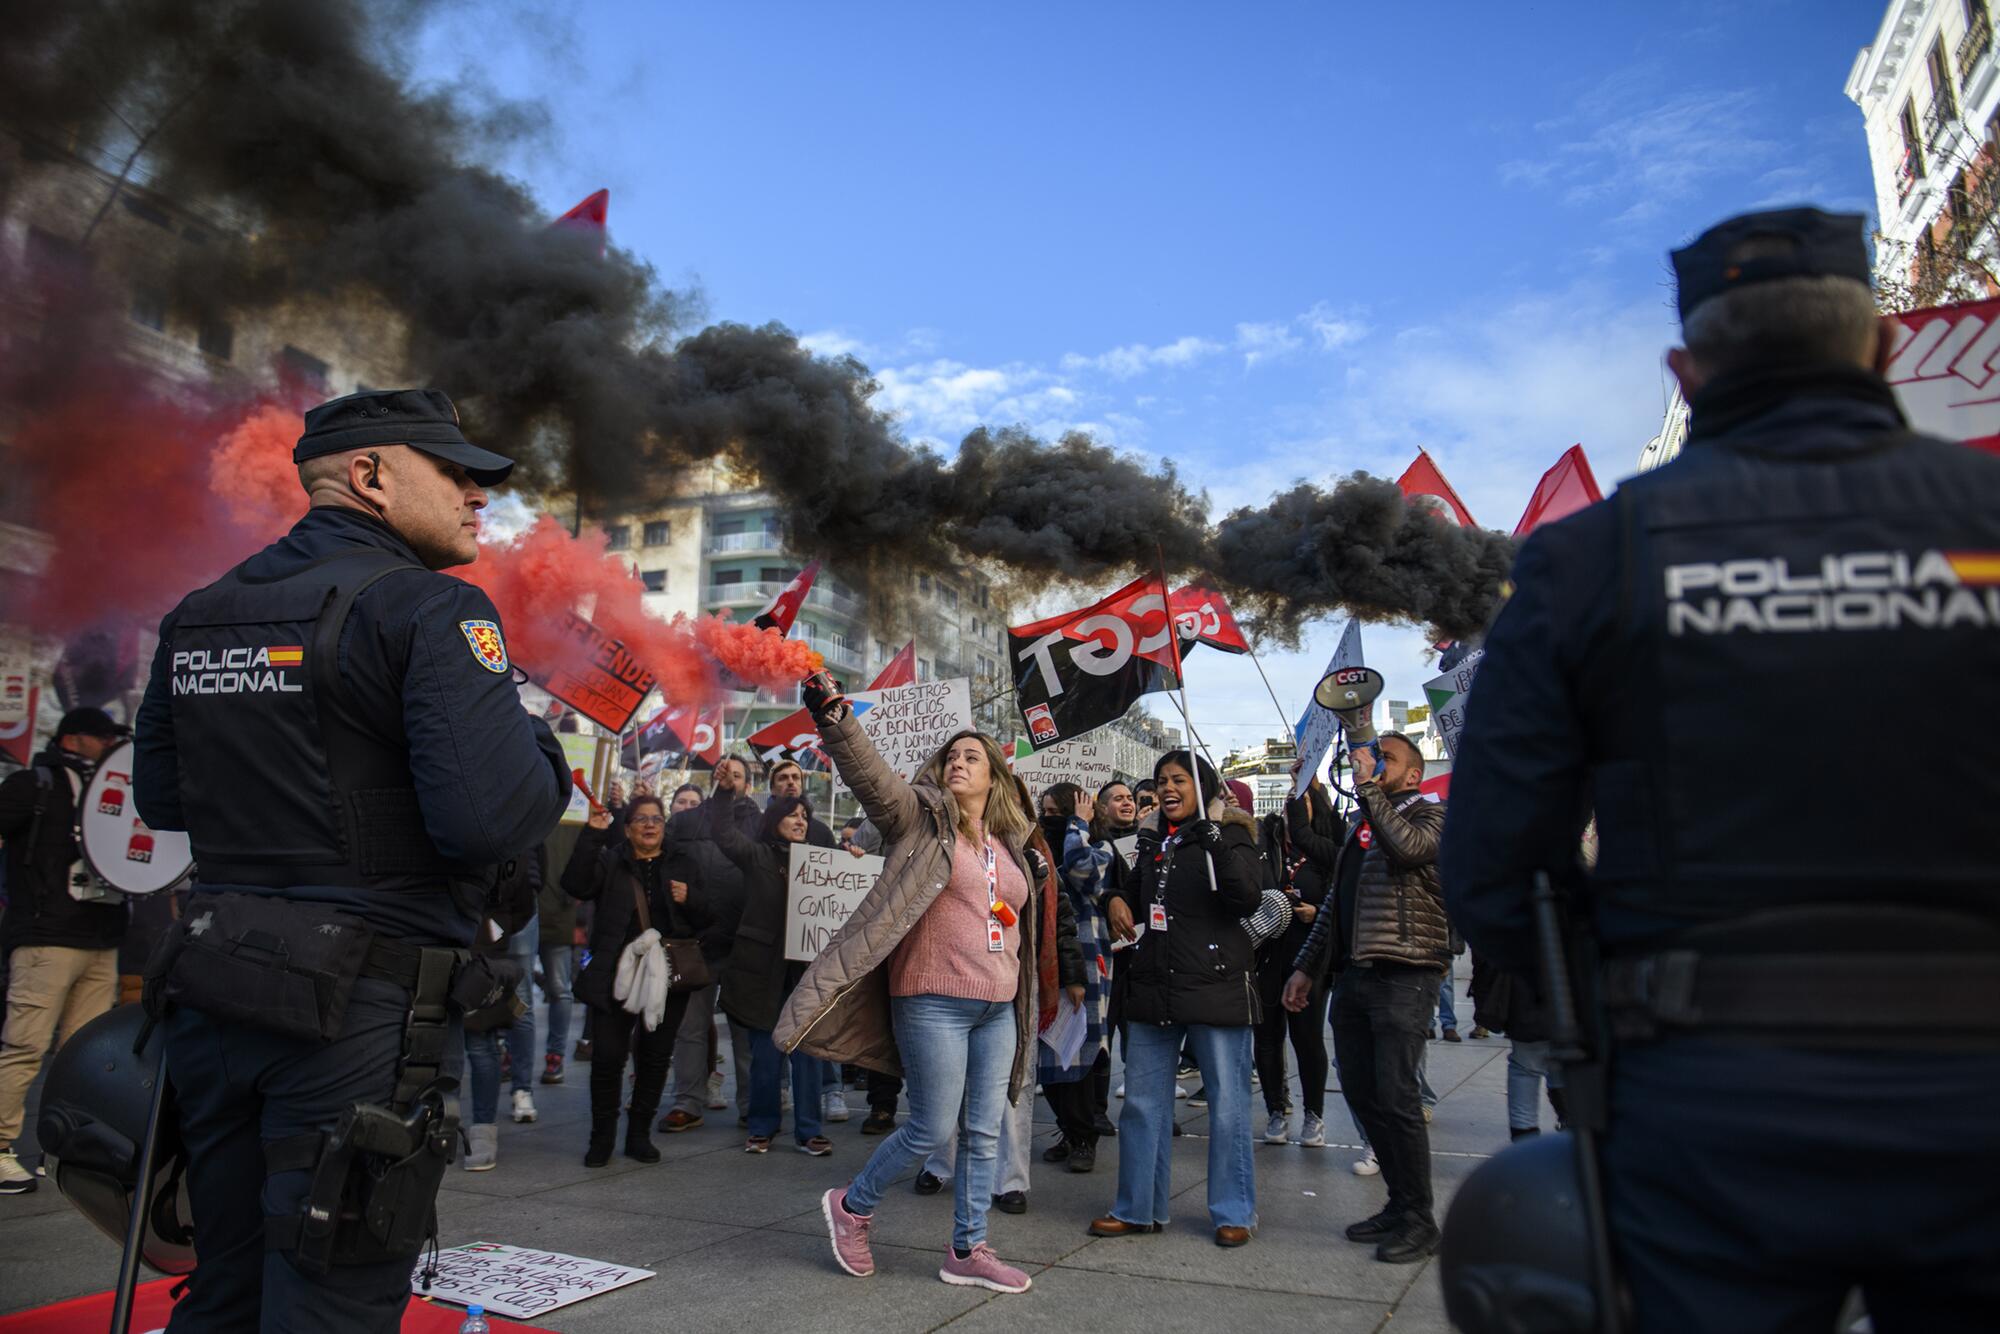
(850, 1235)
(983, 1269)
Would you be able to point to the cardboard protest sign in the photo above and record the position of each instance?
(517, 1281)
(597, 675)
(910, 723)
(822, 889)
(1085, 761)
(1447, 695)
(1318, 727)
(592, 754)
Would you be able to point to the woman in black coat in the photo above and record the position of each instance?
(617, 874)
(1191, 980)
(758, 979)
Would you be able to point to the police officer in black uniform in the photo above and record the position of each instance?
(1796, 900)
(335, 725)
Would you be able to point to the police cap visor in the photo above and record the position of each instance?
(423, 419)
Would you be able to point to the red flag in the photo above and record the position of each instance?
(794, 734)
(1563, 490)
(589, 216)
(784, 608)
(1203, 616)
(696, 732)
(1424, 478)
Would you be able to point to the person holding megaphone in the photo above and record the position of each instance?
(1390, 950)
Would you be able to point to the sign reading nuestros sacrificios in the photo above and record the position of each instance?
(822, 889)
(909, 724)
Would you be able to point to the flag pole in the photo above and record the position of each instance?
(1180, 676)
(1282, 719)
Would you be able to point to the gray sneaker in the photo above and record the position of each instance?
(1313, 1136)
(1279, 1129)
(484, 1152)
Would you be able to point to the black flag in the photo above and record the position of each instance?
(1085, 668)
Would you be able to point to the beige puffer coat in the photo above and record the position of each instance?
(840, 1009)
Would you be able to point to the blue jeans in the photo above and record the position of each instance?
(558, 977)
(766, 1062)
(956, 1053)
(1146, 1125)
(1528, 1064)
(1447, 1011)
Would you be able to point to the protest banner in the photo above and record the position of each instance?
(517, 1281)
(909, 724)
(592, 754)
(823, 887)
(1085, 761)
(596, 675)
(1447, 695)
(1318, 726)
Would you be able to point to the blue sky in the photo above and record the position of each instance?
(1265, 241)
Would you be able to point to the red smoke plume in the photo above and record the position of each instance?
(252, 473)
(540, 576)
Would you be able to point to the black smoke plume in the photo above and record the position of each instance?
(296, 117)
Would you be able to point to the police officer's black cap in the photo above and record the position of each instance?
(1810, 243)
(91, 722)
(423, 419)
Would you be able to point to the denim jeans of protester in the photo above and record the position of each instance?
(1146, 1125)
(1528, 1064)
(558, 983)
(766, 1064)
(956, 1053)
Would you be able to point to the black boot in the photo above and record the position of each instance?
(603, 1130)
(639, 1144)
(1559, 1099)
(1082, 1155)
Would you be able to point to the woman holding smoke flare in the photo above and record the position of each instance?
(938, 976)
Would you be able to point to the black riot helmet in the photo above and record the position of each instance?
(1516, 1252)
(95, 1104)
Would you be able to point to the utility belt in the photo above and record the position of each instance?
(290, 968)
(1842, 999)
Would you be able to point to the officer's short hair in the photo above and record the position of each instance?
(1817, 318)
(1416, 756)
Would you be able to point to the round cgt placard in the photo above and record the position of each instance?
(117, 845)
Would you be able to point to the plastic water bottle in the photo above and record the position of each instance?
(475, 1321)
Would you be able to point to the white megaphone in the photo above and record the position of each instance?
(1350, 694)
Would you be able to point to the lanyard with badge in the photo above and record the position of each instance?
(1163, 862)
(998, 915)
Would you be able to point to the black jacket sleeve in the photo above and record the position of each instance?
(589, 866)
(156, 772)
(1069, 950)
(1322, 852)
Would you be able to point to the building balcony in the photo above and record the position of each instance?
(840, 604)
(1909, 170)
(1972, 48)
(740, 543)
(737, 595)
(1939, 118)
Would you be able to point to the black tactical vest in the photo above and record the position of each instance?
(1813, 638)
(283, 780)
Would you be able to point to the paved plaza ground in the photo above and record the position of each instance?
(740, 1245)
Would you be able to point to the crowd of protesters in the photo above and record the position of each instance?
(1133, 904)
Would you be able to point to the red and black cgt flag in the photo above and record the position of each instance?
(1203, 617)
(1085, 668)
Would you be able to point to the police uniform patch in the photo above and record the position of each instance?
(487, 647)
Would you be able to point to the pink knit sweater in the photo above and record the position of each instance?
(945, 953)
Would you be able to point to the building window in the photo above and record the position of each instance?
(618, 537)
(217, 338)
(949, 594)
(923, 583)
(775, 574)
(655, 580)
(923, 669)
(983, 594)
(658, 533)
(149, 309)
(724, 527)
(304, 367)
(728, 576)
(1943, 104)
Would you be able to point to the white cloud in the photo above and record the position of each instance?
(1134, 359)
(1333, 331)
(835, 343)
(1265, 342)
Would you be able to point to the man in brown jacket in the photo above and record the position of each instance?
(1383, 929)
